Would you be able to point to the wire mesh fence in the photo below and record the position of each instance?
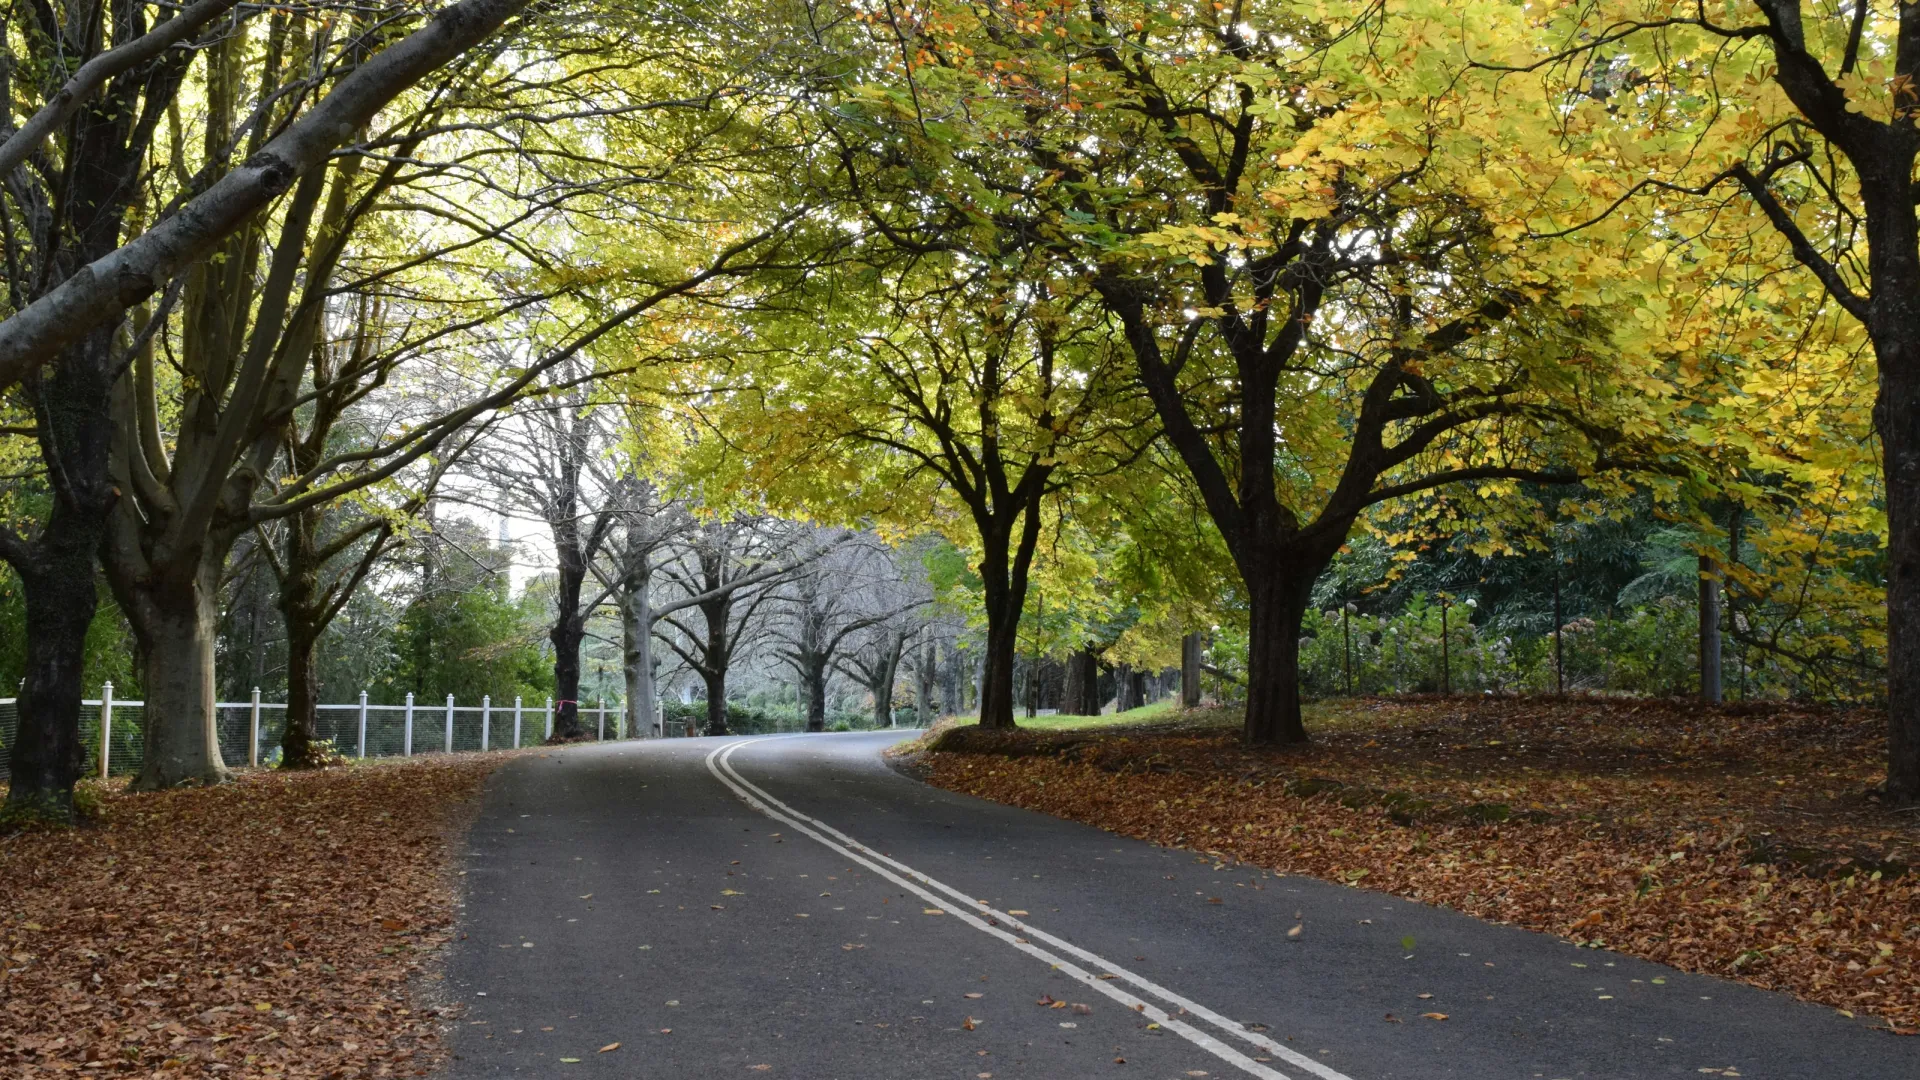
(250, 732)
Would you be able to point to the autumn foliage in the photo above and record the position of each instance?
(283, 925)
(1733, 841)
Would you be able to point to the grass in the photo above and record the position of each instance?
(1159, 710)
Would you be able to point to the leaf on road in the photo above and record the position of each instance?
(969, 1023)
(1434, 1016)
(608, 1049)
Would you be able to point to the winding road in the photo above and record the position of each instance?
(791, 906)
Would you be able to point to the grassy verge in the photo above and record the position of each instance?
(281, 925)
(1739, 842)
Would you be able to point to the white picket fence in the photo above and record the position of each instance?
(249, 731)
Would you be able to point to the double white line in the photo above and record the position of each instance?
(1022, 936)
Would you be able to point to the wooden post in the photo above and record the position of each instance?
(106, 727)
(1446, 657)
(253, 730)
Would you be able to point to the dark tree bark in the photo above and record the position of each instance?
(1709, 629)
(1190, 648)
(1081, 694)
(70, 215)
(58, 583)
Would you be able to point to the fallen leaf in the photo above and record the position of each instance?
(1434, 1016)
(608, 1049)
(969, 1023)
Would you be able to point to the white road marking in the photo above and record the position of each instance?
(970, 910)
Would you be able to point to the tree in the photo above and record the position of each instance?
(63, 214)
(1804, 118)
(965, 386)
(1286, 213)
(825, 604)
(724, 575)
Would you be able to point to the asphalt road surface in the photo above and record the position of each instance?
(793, 907)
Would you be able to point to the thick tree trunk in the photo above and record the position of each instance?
(1276, 606)
(996, 677)
(882, 685)
(58, 581)
(1894, 325)
(48, 754)
(716, 702)
(303, 697)
(1709, 629)
(813, 683)
(1897, 415)
(636, 662)
(1190, 671)
(1081, 694)
(567, 633)
(175, 621)
(1123, 688)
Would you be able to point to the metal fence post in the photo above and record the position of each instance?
(549, 718)
(106, 726)
(603, 719)
(516, 721)
(406, 743)
(449, 723)
(253, 730)
(486, 719)
(363, 723)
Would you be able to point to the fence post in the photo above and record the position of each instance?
(106, 726)
(363, 723)
(549, 718)
(603, 719)
(406, 742)
(449, 723)
(486, 718)
(516, 721)
(253, 730)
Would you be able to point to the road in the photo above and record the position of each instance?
(793, 907)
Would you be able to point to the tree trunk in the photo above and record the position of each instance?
(175, 622)
(57, 578)
(1123, 698)
(303, 697)
(1190, 671)
(1709, 630)
(950, 697)
(1081, 694)
(567, 633)
(48, 755)
(716, 701)
(813, 681)
(1897, 415)
(636, 661)
(923, 705)
(996, 677)
(1276, 606)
